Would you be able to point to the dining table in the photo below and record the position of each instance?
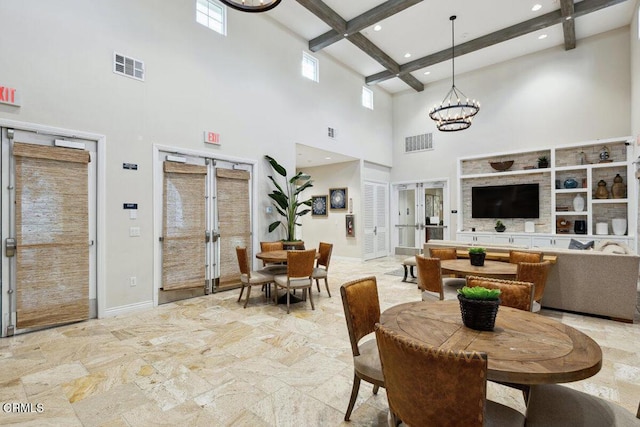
(463, 268)
(523, 348)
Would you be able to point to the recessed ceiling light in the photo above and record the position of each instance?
(407, 55)
(327, 158)
(568, 18)
(377, 27)
(536, 7)
(542, 36)
(426, 73)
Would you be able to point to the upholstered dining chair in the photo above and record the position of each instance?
(429, 277)
(362, 312)
(512, 293)
(552, 405)
(447, 253)
(299, 271)
(250, 278)
(536, 273)
(321, 271)
(525, 256)
(427, 386)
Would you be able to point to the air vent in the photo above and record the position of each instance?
(127, 66)
(331, 133)
(418, 143)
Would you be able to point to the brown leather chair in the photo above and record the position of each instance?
(427, 386)
(362, 312)
(552, 405)
(536, 273)
(512, 293)
(429, 277)
(299, 271)
(250, 278)
(525, 256)
(447, 253)
(322, 265)
(272, 267)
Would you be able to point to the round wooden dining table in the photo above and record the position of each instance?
(524, 347)
(463, 267)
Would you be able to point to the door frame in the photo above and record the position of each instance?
(100, 199)
(157, 200)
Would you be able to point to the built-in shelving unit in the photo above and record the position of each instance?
(580, 162)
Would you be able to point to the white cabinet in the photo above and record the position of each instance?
(512, 239)
(475, 238)
(550, 242)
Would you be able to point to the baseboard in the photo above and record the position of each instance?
(130, 308)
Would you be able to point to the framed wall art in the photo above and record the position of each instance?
(338, 198)
(319, 205)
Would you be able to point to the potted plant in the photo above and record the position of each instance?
(479, 307)
(543, 162)
(477, 255)
(500, 227)
(287, 201)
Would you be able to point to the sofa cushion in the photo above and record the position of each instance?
(576, 244)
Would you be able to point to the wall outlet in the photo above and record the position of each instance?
(132, 281)
(134, 231)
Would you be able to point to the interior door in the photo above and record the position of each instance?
(48, 221)
(376, 214)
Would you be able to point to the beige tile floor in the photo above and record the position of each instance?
(209, 362)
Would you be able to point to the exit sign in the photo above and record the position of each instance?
(212, 138)
(9, 95)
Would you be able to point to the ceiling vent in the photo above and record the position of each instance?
(127, 66)
(331, 133)
(415, 143)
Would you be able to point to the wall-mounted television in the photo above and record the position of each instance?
(506, 201)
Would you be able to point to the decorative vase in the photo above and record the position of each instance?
(601, 191)
(570, 183)
(580, 226)
(477, 259)
(602, 228)
(478, 314)
(578, 203)
(619, 226)
(618, 189)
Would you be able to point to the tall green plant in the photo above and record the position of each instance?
(286, 199)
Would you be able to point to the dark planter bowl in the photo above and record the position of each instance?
(478, 314)
(500, 229)
(477, 259)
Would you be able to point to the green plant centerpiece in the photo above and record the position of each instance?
(543, 162)
(500, 227)
(479, 307)
(287, 199)
(477, 255)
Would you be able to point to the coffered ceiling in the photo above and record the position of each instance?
(487, 32)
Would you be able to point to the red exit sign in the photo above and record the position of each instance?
(9, 95)
(212, 138)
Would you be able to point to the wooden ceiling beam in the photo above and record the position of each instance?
(552, 18)
(568, 25)
(360, 22)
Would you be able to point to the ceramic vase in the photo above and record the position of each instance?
(578, 203)
(619, 226)
(618, 189)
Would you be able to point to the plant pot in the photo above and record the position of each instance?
(500, 229)
(543, 165)
(477, 259)
(478, 314)
(293, 244)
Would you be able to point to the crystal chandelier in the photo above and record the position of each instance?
(456, 110)
(252, 5)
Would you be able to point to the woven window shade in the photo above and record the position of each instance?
(183, 245)
(52, 232)
(235, 221)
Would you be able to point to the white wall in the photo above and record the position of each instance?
(246, 86)
(550, 98)
(635, 85)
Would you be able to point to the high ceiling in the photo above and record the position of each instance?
(421, 28)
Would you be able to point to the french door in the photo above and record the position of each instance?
(49, 230)
(376, 214)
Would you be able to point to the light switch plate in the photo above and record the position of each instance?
(134, 231)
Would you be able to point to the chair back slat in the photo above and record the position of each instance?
(512, 293)
(430, 275)
(361, 308)
(536, 273)
(525, 256)
(300, 263)
(443, 253)
(243, 260)
(325, 250)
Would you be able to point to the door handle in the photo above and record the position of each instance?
(375, 230)
(10, 247)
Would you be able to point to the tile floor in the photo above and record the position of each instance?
(209, 362)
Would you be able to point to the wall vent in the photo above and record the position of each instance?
(331, 133)
(418, 143)
(127, 66)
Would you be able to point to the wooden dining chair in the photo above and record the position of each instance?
(525, 256)
(321, 271)
(536, 273)
(429, 277)
(512, 293)
(427, 386)
(299, 271)
(552, 405)
(250, 278)
(362, 312)
(447, 253)
(272, 267)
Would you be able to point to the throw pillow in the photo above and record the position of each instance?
(576, 244)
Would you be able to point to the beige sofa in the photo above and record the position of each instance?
(589, 282)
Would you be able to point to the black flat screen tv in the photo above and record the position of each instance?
(506, 201)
